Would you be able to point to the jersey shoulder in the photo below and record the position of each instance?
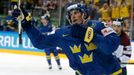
(95, 23)
(63, 31)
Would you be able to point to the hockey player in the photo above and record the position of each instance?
(123, 52)
(47, 27)
(10, 24)
(87, 44)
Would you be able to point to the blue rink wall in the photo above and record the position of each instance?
(9, 40)
(9, 43)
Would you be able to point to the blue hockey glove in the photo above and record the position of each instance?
(24, 15)
(26, 22)
(16, 13)
(82, 32)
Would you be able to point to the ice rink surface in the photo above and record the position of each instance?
(15, 64)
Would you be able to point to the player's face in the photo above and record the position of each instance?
(44, 21)
(10, 22)
(76, 17)
(117, 29)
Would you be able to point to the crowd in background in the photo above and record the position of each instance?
(111, 10)
(102, 10)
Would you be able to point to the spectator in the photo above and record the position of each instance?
(115, 10)
(1, 26)
(124, 14)
(13, 3)
(105, 13)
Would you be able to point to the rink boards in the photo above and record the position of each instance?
(9, 43)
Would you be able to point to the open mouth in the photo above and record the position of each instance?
(74, 21)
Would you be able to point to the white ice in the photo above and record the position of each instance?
(15, 64)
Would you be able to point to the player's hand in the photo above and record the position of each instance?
(82, 32)
(23, 15)
(16, 12)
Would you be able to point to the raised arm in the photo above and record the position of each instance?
(38, 39)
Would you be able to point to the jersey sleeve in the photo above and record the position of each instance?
(126, 54)
(40, 40)
(105, 38)
(124, 50)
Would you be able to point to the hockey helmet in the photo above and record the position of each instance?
(81, 7)
(118, 22)
(45, 17)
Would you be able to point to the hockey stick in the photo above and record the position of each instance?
(19, 23)
(128, 63)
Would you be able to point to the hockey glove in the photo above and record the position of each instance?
(24, 15)
(82, 32)
(16, 12)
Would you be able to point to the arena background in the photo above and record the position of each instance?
(9, 40)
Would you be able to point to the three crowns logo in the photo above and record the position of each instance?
(76, 49)
(90, 47)
(86, 58)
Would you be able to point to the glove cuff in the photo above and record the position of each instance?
(26, 24)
